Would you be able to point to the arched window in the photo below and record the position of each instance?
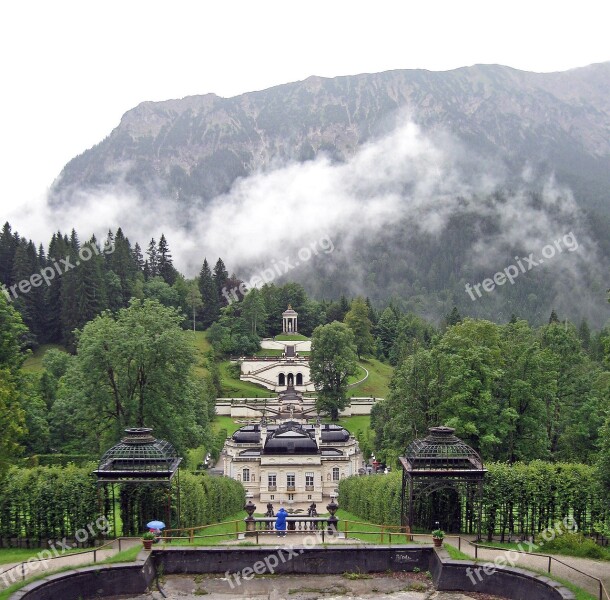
(299, 378)
(281, 379)
(246, 473)
(290, 379)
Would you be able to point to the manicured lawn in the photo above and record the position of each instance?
(235, 388)
(455, 553)
(356, 423)
(377, 383)
(221, 422)
(292, 337)
(33, 363)
(269, 352)
(17, 555)
(221, 532)
(359, 529)
(202, 347)
(357, 376)
(125, 556)
(549, 550)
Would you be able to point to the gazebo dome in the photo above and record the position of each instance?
(290, 312)
(139, 456)
(441, 450)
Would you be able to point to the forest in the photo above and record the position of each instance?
(115, 328)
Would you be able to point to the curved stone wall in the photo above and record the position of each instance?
(135, 578)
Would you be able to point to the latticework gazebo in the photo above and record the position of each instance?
(440, 461)
(137, 460)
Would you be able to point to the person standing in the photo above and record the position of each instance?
(280, 522)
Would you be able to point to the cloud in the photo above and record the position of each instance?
(411, 179)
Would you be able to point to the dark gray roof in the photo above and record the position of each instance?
(290, 438)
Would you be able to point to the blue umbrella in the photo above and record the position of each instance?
(156, 525)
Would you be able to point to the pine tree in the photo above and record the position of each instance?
(209, 295)
(453, 318)
(138, 257)
(554, 318)
(8, 246)
(221, 275)
(165, 265)
(152, 260)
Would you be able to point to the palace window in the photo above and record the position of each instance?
(246, 475)
(335, 473)
(309, 481)
(290, 481)
(272, 481)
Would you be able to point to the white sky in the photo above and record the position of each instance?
(70, 69)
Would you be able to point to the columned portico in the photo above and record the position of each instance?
(289, 320)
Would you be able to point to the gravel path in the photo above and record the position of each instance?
(10, 574)
(596, 568)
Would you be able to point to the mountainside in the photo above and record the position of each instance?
(196, 147)
(426, 182)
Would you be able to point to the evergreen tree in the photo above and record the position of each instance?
(584, 333)
(165, 265)
(8, 247)
(453, 318)
(138, 258)
(151, 267)
(209, 295)
(220, 276)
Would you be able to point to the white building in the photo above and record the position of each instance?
(291, 462)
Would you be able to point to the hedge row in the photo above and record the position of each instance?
(47, 502)
(522, 498)
(205, 499)
(54, 502)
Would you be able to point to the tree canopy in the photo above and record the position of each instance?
(333, 359)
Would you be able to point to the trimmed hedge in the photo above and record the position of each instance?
(44, 503)
(524, 498)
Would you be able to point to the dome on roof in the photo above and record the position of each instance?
(139, 456)
(290, 438)
(289, 311)
(334, 433)
(248, 434)
(441, 450)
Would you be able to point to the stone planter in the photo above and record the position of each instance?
(438, 542)
(147, 544)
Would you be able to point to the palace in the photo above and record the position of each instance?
(285, 454)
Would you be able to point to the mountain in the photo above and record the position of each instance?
(196, 147)
(530, 126)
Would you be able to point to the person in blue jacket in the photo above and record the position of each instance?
(280, 522)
